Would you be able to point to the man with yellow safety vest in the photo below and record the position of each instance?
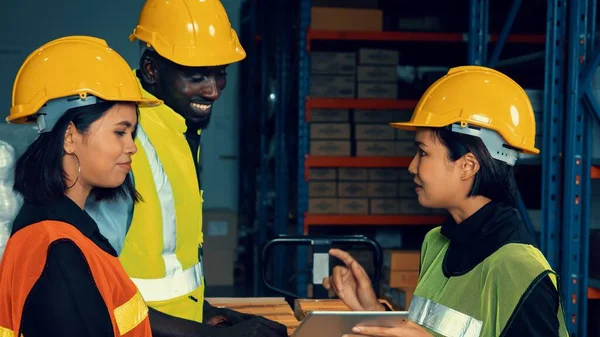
(187, 45)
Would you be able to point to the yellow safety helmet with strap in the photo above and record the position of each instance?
(189, 32)
(476, 100)
(68, 72)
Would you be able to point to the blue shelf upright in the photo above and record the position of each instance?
(303, 136)
(478, 32)
(582, 63)
(552, 145)
(478, 39)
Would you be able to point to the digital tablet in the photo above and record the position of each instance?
(338, 323)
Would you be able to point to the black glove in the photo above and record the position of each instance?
(254, 327)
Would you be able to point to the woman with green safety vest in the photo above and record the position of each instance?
(480, 272)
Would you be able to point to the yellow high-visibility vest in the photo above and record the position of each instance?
(161, 252)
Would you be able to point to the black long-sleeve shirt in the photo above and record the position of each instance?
(65, 300)
(480, 235)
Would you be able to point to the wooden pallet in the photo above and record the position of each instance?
(272, 308)
(303, 307)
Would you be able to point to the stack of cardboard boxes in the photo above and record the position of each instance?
(400, 277)
(377, 75)
(336, 74)
(363, 191)
(366, 134)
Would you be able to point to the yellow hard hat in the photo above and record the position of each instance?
(72, 66)
(480, 97)
(193, 33)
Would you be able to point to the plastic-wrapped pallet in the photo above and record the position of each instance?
(9, 201)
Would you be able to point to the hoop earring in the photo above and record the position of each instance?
(78, 170)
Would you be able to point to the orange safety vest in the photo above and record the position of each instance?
(24, 261)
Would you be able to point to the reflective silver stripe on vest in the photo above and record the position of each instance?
(442, 319)
(177, 281)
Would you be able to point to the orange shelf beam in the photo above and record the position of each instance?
(413, 36)
(361, 103)
(595, 172)
(365, 162)
(522, 38)
(378, 220)
(593, 293)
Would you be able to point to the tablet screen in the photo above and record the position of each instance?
(338, 323)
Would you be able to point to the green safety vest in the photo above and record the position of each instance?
(482, 301)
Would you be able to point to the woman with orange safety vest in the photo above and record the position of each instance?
(59, 276)
(480, 272)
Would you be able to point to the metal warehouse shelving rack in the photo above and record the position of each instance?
(571, 58)
(566, 179)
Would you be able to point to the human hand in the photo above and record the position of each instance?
(405, 329)
(352, 284)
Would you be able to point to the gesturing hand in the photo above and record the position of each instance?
(352, 284)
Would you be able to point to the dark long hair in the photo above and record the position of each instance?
(495, 179)
(39, 173)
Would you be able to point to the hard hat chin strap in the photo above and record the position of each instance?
(494, 143)
(54, 109)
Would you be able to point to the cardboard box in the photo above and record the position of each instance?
(405, 175)
(330, 148)
(329, 115)
(352, 174)
(353, 206)
(402, 260)
(332, 86)
(329, 131)
(346, 19)
(400, 279)
(411, 206)
(323, 205)
(374, 132)
(378, 56)
(352, 189)
(406, 189)
(332, 63)
(404, 135)
(385, 174)
(386, 189)
(385, 206)
(377, 90)
(374, 116)
(220, 228)
(405, 148)
(377, 74)
(322, 189)
(375, 149)
(322, 174)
